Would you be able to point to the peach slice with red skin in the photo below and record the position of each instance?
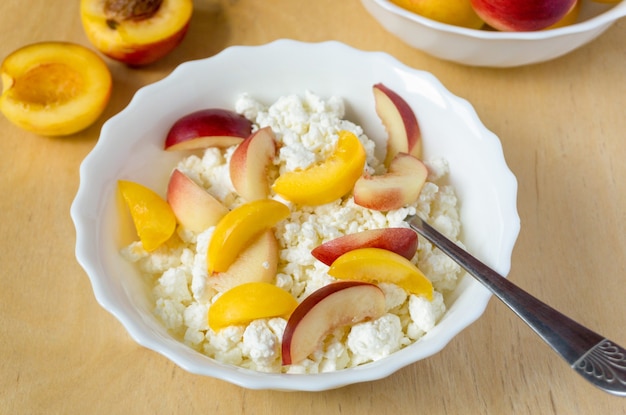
(250, 162)
(332, 306)
(136, 32)
(211, 127)
(54, 88)
(256, 263)
(402, 241)
(195, 208)
(380, 265)
(404, 135)
(239, 228)
(251, 301)
(400, 186)
(326, 181)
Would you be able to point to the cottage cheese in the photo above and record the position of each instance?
(306, 128)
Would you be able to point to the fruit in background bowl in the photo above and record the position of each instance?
(54, 88)
(453, 12)
(211, 127)
(136, 32)
(570, 18)
(522, 16)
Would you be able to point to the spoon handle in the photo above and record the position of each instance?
(597, 359)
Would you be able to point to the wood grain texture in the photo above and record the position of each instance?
(562, 127)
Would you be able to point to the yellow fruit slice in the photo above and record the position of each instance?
(153, 218)
(238, 228)
(251, 301)
(327, 181)
(380, 265)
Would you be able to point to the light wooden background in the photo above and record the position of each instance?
(563, 129)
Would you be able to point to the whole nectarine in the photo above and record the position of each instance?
(54, 88)
(522, 16)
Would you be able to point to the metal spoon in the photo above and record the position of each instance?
(594, 357)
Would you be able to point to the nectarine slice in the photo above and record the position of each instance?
(235, 231)
(153, 218)
(136, 32)
(194, 207)
(332, 306)
(400, 186)
(251, 301)
(402, 241)
(54, 88)
(211, 127)
(404, 134)
(326, 181)
(250, 162)
(256, 263)
(380, 265)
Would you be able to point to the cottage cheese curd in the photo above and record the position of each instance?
(306, 128)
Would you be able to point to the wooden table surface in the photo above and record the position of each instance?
(563, 129)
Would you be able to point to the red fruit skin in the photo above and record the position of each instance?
(189, 131)
(402, 241)
(521, 15)
(143, 55)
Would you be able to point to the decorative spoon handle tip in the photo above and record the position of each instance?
(596, 359)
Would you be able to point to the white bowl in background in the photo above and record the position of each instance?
(131, 147)
(492, 48)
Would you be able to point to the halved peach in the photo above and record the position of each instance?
(54, 88)
(136, 32)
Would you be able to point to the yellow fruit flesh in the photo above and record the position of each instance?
(54, 88)
(251, 301)
(452, 12)
(171, 16)
(153, 218)
(327, 181)
(380, 265)
(238, 228)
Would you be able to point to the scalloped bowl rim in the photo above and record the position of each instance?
(94, 213)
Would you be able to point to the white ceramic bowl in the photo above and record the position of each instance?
(130, 147)
(491, 48)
